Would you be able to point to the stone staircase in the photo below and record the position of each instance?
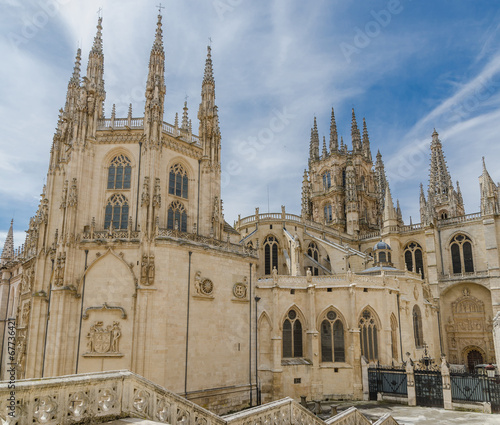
(123, 397)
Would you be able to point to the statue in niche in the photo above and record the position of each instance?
(144, 270)
(151, 270)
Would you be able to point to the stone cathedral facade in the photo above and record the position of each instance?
(130, 264)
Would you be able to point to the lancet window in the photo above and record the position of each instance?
(369, 335)
(270, 254)
(178, 181)
(332, 338)
(414, 259)
(116, 213)
(327, 180)
(292, 335)
(119, 173)
(461, 254)
(177, 217)
(328, 212)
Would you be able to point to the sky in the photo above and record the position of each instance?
(406, 66)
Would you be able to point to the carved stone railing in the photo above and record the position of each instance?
(281, 412)
(351, 416)
(479, 274)
(97, 398)
(460, 219)
(205, 241)
(111, 234)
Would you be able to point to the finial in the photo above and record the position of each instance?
(129, 116)
(113, 112)
(97, 46)
(208, 76)
(75, 79)
(160, 7)
(158, 44)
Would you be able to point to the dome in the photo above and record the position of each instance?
(381, 245)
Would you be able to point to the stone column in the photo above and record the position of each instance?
(410, 381)
(364, 379)
(445, 375)
(496, 337)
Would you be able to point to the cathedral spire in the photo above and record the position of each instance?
(209, 130)
(442, 198)
(155, 89)
(94, 84)
(314, 143)
(366, 142)
(334, 138)
(73, 87)
(489, 193)
(8, 248)
(325, 152)
(355, 134)
(75, 78)
(390, 217)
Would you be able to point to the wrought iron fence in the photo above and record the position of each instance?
(388, 381)
(476, 388)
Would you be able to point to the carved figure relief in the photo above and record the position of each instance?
(59, 270)
(147, 270)
(157, 194)
(25, 314)
(145, 192)
(103, 340)
(73, 194)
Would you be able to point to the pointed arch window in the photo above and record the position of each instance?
(328, 213)
(313, 252)
(292, 336)
(332, 338)
(178, 181)
(327, 180)
(177, 217)
(461, 254)
(116, 213)
(394, 337)
(369, 335)
(270, 254)
(417, 327)
(119, 173)
(414, 259)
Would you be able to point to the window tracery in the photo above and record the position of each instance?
(461, 254)
(369, 335)
(178, 181)
(292, 335)
(177, 217)
(332, 338)
(117, 211)
(119, 172)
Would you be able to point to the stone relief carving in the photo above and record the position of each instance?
(147, 270)
(145, 192)
(204, 287)
(240, 289)
(157, 194)
(73, 194)
(59, 269)
(103, 340)
(25, 314)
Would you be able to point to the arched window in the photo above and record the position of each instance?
(327, 181)
(328, 212)
(413, 257)
(382, 257)
(332, 339)
(177, 217)
(313, 252)
(116, 212)
(178, 181)
(394, 337)
(270, 254)
(417, 327)
(119, 173)
(292, 335)
(368, 335)
(461, 254)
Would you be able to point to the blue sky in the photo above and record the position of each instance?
(406, 66)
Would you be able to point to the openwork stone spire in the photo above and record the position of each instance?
(442, 200)
(75, 78)
(8, 248)
(208, 77)
(334, 138)
(325, 152)
(381, 180)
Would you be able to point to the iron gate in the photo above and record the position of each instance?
(429, 388)
(494, 393)
(387, 380)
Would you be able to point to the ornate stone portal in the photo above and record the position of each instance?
(469, 331)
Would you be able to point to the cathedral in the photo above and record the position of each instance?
(130, 264)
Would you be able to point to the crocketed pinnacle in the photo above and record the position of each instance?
(8, 248)
(97, 46)
(75, 78)
(158, 43)
(366, 142)
(208, 77)
(334, 138)
(185, 119)
(440, 180)
(355, 134)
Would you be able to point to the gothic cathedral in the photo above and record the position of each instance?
(129, 263)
